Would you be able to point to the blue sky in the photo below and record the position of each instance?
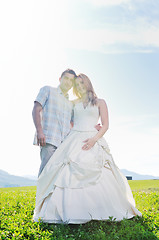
(115, 43)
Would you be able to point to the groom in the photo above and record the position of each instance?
(52, 116)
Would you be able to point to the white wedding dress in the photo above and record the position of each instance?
(78, 186)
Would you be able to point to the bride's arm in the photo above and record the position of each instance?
(103, 110)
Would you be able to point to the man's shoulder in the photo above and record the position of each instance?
(49, 88)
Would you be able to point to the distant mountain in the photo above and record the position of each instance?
(8, 180)
(30, 177)
(137, 176)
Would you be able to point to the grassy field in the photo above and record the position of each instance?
(17, 205)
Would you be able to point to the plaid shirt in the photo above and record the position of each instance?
(55, 116)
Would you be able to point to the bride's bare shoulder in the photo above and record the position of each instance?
(101, 102)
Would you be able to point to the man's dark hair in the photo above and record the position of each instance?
(69, 71)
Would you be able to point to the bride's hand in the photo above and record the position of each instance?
(89, 143)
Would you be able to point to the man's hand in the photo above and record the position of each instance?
(97, 127)
(89, 143)
(37, 121)
(41, 139)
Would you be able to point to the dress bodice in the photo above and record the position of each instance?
(85, 118)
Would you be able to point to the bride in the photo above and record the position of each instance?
(81, 182)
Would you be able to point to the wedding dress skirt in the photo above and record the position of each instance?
(78, 186)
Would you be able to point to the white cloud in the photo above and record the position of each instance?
(107, 2)
(110, 39)
(150, 36)
(41, 25)
(132, 27)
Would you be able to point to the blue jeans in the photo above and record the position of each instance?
(45, 153)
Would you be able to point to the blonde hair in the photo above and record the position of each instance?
(92, 97)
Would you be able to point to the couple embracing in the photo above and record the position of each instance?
(78, 180)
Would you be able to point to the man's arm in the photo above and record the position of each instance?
(37, 121)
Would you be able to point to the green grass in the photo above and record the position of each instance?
(17, 205)
(144, 185)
